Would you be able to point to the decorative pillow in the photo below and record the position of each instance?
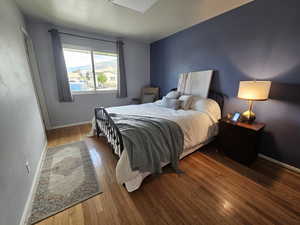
(147, 98)
(173, 94)
(187, 101)
(171, 103)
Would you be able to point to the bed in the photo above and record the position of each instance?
(199, 126)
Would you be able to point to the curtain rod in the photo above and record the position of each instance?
(81, 36)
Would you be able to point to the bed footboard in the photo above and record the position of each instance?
(106, 126)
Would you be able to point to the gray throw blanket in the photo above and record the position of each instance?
(150, 141)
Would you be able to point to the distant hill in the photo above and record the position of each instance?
(100, 66)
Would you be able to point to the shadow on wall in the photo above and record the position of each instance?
(284, 119)
(215, 82)
(285, 92)
(279, 91)
(269, 144)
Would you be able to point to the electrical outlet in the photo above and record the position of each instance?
(27, 167)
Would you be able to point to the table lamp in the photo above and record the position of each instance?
(253, 91)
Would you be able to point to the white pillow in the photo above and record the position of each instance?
(171, 103)
(173, 94)
(187, 101)
(208, 106)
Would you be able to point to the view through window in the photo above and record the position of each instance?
(91, 70)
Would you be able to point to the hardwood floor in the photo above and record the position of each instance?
(212, 190)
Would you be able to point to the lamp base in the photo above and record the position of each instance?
(249, 116)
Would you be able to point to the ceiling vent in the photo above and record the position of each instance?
(138, 5)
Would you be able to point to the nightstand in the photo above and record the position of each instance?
(239, 141)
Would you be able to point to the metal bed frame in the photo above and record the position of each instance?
(105, 125)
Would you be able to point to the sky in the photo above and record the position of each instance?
(83, 58)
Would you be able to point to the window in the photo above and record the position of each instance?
(91, 71)
(105, 70)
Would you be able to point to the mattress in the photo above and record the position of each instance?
(198, 128)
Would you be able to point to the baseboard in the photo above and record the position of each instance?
(295, 169)
(28, 205)
(70, 125)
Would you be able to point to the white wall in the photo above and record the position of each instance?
(137, 60)
(22, 135)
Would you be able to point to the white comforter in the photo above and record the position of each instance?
(197, 126)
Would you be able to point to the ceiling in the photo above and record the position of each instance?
(164, 18)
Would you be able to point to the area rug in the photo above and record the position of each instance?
(67, 178)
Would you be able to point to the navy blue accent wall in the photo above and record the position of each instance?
(260, 40)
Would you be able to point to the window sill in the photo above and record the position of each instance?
(95, 92)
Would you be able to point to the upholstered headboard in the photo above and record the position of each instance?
(198, 84)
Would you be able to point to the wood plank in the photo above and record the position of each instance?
(212, 190)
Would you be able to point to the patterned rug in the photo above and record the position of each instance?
(67, 178)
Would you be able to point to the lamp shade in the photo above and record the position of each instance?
(254, 90)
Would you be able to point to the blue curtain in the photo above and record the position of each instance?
(63, 87)
(122, 85)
